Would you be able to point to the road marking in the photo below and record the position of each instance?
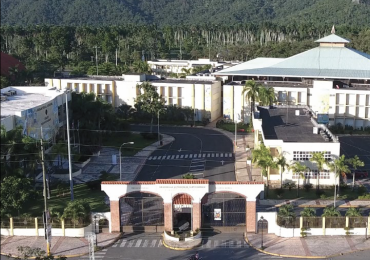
(199, 155)
(213, 155)
(160, 243)
(173, 156)
(190, 156)
(123, 243)
(204, 155)
(169, 156)
(153, 243)
(217, 154)
(186, 155)
(151, 157)
(177, 156)
(215, 243)
(154, 157)
(209, 243)
(159, 157)
(222, 155)
(209, 155)
(182, 156)
(146, 242)
(239, 244)
(138, 243)
(230, 155)
(180, 149)
(131, 243)
(195, 155)
(231, 244)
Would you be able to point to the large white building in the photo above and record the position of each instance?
(33, 108)
(292, 131)
(332, 79)
(201, 94)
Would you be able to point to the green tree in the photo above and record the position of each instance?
(266, 96)
(60, 151)
(77, 211)
(355, 162)
(188, 176)
(319, 159)
(282, 164)
(339, 168)
(298, 169)
(353, 212)
(308, 212)
(150, 101)
(251, 91)
(141, 67)
(15, 193)
(4, 82)
(331, 212)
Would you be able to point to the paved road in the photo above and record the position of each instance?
(203, 152)
(356, 145)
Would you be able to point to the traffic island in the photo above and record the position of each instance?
(175, 242)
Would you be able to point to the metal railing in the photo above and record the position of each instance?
(288, 222)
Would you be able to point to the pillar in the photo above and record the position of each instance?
(197, 216)
(11, 226)
(251, 216)
(63, 228)
(301, 222)
(347, 221)
(115, 217)
(168, 215)
(36, 227)
(323, 226)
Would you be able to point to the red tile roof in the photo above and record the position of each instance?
(182, 181)
(182, 199)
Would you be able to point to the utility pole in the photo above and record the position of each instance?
(46, 224)
(69, 149)
(96, 60)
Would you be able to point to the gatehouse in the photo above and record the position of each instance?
(178, 204)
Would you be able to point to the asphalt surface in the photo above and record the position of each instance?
(356, 145)
(200, 151)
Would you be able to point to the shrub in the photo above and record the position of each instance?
(149, 136)
(308, 187)
(319, 193)
(289, 185)
(279, 191)
(93, 185)
(361, 190)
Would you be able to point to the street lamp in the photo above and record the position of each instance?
(262, 219)
(69, 148)
(96, 236)
(120, 160)
(335, 182)
(159, 139)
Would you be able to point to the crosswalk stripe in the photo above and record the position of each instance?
(182, 156)
(215, 243)
(146, 242)
(239, 244)
(213, 155)
(186, 155)
(173, 156)
(150, 158)
(160, 243)
(217, 154)
(204, 155)
(177, 156)
(199, 155)
(138, 243)
(230, 155)
(209, 244)
(209, 155)
(168, 156)
(190, 156)
(159, 157)
(123, 243)
(131, 243)
(222, 155)
(231, 244)
(195, 155)
(153, 243)
(154, 157)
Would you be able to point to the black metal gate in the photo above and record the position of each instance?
(142, 209)
(232, 208)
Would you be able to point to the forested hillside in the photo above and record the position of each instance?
(175, 12)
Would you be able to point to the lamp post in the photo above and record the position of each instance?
(120, 159)
(335, 182)
(366, 231)
(96, 235)
(69, 149)
(159, 139)
(262, 219)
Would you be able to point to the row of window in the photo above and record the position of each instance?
(313, 175)
(305, 156)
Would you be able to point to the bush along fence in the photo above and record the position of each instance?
(29, 226)
(316, 226)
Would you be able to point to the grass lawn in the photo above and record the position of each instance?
(117, 139)
(231, 127)
(311, 194)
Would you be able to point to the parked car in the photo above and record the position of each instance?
(358, 174)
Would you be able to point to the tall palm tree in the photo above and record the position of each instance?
(282, 164)
(339, 167)
(251, 90)
(319, 159)
(266, 96)
(299, 169)
(355, 162)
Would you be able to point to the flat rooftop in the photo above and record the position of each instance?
(281, 123)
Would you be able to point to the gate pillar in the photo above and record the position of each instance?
(251, 216)
(197, 215)
(115, 216)
(168, 215)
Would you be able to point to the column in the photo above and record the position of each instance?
(114, 216)
(36, 227)
(168, 212)
(197, 215)
(251, 216)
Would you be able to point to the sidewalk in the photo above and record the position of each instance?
(66, 246)
(308, 247)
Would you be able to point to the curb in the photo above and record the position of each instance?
(179, 248)
(71, 256)
(287, 256)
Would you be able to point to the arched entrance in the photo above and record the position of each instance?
(140, 210)
(224, 211)
(182, 212)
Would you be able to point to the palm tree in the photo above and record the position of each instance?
(308, 212)
(299, 169)
(331, 212)
(282, 163)
(251, 90)
(266, 96)
(353, 212)
(76, 210)
(355, 162)
(287, 213)
(339, 167)
(319, 159)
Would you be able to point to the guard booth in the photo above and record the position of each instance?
(178, 204)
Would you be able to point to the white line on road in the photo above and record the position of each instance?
(186, 155)
(153, 243)
(146, 242)
(190, 156)
(160, 243)
(138, 243)
(123, 243)
(131, 243)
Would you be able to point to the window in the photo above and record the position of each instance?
(313, 175)
(305, 156)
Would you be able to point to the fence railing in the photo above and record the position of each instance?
(335, 222)
(288, 222)
(312, 222)
(357, 222)
(32, 223)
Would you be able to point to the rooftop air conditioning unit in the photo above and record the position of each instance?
(297, 112)
(315, 130)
